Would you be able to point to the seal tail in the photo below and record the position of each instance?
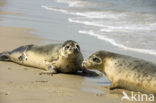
(4, 56)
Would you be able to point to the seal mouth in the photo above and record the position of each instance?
(73, 54)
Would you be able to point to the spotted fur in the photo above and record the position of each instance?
(64, 57)
(125, 71)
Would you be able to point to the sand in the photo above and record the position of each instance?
(2, 2)
(21, 84)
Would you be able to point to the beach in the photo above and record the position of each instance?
(24, 84)
(25, 22)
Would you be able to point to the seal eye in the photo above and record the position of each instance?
(95, 59)
(67, 47)
(78, 47)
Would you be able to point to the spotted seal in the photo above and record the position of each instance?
(124, 72)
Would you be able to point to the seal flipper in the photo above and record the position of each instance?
(90, 73)
(115, 86)
(22, 50)
(4, 56)
(52, 70)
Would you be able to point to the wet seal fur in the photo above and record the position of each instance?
(124, 72)
(53, 58)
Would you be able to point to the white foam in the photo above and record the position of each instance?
(85, 22)
(113, 28)
(131, 27)
(89, 14)
(55, 9)
(102, 37)
(102, 15)
(72, 3)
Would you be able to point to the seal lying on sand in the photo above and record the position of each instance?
(124, 71)
(54, 58)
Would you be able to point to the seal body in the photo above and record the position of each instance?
(124, 71)
(64, 58)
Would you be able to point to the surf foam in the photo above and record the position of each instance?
(113, 42)
(89, 14)
(72, 3)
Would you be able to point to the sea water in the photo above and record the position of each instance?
(126, 24)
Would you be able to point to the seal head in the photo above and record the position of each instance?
(70, 57)
(125, 72)
(95, 61)
(70, 49)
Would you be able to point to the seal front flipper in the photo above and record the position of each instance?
(90, 73)
(4, 56)
(51, 70)
(114, 86)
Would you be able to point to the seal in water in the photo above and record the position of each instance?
(124, 72)
(54, 58)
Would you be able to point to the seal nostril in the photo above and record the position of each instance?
(76, 49)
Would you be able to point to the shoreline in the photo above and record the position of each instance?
(12, 37)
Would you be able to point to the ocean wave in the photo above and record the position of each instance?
(129, 28)
(89, 14)
(73, 3)
(98, 22)
(55, 9)
(112, 22)
(85, 22)
(114, 28)
(113, 42)
(102, 15)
